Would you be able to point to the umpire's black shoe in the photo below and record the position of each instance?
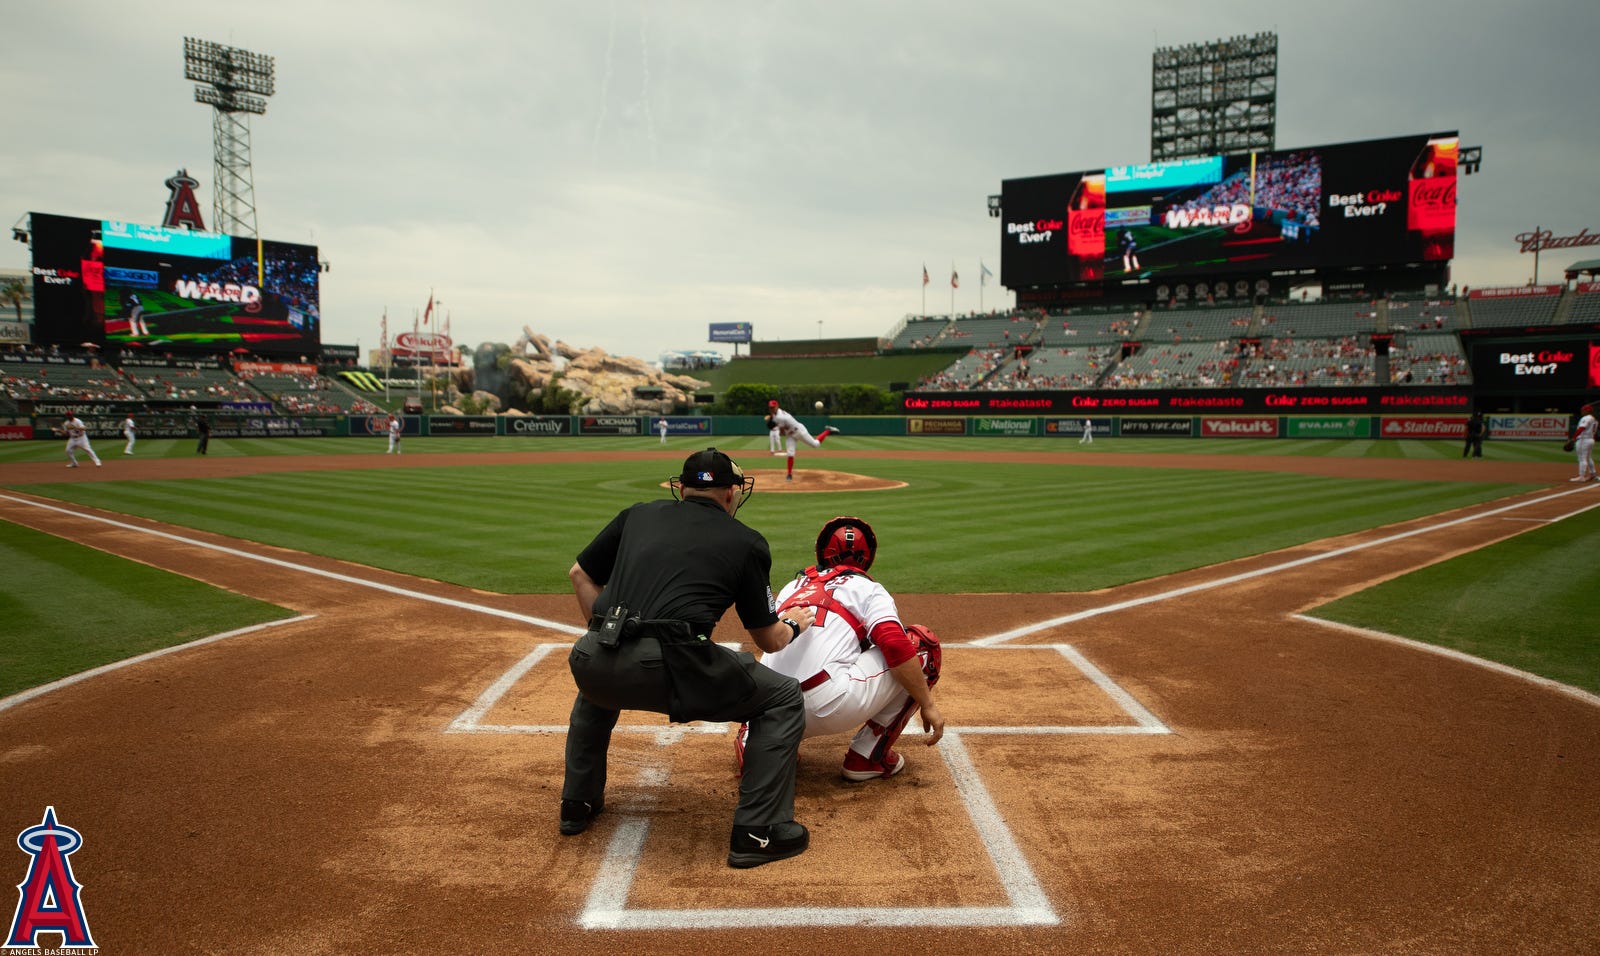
(576, 815)
(753, 846)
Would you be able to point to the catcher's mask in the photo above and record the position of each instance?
(846, 542)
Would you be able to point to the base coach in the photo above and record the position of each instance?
(652, 586)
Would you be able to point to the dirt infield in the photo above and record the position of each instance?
(1179, 765)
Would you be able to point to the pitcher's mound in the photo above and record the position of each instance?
(816, 479)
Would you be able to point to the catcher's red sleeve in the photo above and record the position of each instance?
(897, 645)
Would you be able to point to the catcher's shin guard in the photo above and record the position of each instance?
(932, 660)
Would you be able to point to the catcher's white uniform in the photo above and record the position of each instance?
(846, 688)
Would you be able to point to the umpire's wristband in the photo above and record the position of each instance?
(794, 628)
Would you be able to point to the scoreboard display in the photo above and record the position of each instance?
(1375, 202)
(130, 286)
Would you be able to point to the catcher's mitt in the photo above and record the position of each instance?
(1571, 444)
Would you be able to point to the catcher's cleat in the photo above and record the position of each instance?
(753, 846)
(739, 737)
(857, 767)
(576, 815)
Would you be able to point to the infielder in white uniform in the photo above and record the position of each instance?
(1583, 444)
(131, 433)
(1088, 433)
(859, 668)
(661, 426)
(789, 428)
(396, 429)
(77, 437)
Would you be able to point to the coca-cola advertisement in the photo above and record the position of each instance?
(1367, 203)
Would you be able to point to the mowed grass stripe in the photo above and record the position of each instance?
(1527, 602)
(1038, 527)
(71, 608)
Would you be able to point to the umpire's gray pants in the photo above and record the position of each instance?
(632, 677)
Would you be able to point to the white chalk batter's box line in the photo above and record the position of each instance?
(607, 904)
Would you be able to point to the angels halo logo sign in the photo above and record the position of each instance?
(49, 900)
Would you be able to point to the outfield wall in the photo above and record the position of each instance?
(1409, 426)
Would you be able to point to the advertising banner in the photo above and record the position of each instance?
(461, 425)
(14, 333)
(1422, 428)
(936, 426)
(538, 426)
(1193, 401)
(1354, 426)
(379, 425)
(1005, 426)
(1073, 427)
(1238, 427)
(322, 426)
(1373, 202)
(610, 425)
(1535, 365)
(1513, 291)
(16, 432)
(1156, 427)
(1527, 427)
(681, 425)
(732, 332)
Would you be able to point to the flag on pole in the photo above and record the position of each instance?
(984, 275)
(426, 313)
(924, 274)
(955, 280)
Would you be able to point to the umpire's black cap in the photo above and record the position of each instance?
(710, 469)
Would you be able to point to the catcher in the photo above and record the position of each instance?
(857, 665)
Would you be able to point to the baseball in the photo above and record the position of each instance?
(819, 406)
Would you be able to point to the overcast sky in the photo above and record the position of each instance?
(623, 173)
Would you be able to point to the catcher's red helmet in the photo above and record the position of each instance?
(846, 542)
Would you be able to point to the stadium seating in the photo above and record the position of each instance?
(1090, 328)
(1079, 367)
(967, 372)
(311, 395)
(1423, 315)
(192, 384)
(1318, 362)
(1429, 359)
(1189, 325)
(81, 383)
(1212, 364)
(1585, 309)
(1009, 329)
(919, 334)
(1513, 311)
(1319, 319)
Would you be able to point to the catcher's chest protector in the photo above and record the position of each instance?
(814, 591)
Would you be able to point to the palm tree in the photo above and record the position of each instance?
(12, 293)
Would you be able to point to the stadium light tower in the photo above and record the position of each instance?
(1214, 98)
(233, 82)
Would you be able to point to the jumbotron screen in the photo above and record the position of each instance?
(112, 283)
(1375, 202)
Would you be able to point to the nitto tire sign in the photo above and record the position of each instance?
(538, 426)
(1423, 428)
(610, 425)
(1238, 428)
(1156, 427)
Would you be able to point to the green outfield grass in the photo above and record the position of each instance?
(958, 527)
(1532, 602)
(68, 608)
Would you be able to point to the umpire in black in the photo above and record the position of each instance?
(652, 585)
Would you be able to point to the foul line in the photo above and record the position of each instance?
(1035, 628)
(1577, 693)
(307, 569)
(42, 689)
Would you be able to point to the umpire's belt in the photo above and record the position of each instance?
(661, 629)
(815, 680)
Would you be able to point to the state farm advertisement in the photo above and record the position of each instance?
(1422, 428)
(1238, 427)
